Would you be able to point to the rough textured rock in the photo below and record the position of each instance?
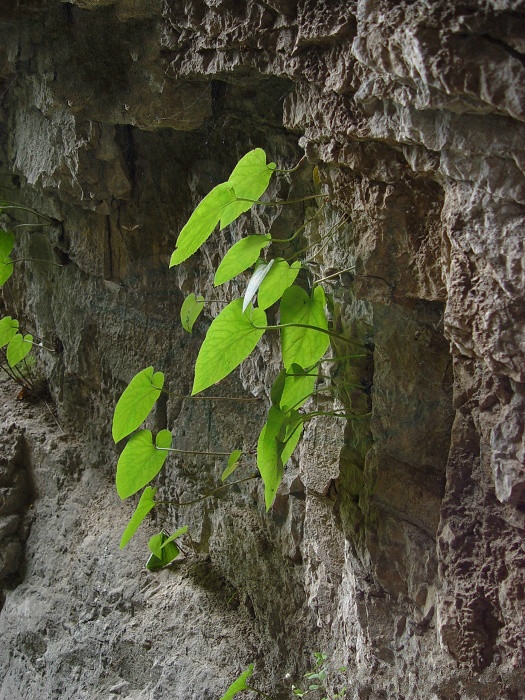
(396, 541)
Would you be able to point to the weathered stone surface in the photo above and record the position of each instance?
(396, 541)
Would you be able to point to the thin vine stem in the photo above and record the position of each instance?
(278, 170)
(6, 204)
(324, 241)
(259, 692)
(49, 262)
(278, 327)
(178, 504)
(335, 274)
(282, 202)
(192, 452)
(301, 228)
(212, 398)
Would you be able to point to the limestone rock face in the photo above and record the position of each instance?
(396, 541)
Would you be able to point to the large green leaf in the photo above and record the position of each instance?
(239, 684)
(277, 441)
(141, 461)
(163, 551)
(280, 277)
(229, 340)
(201, 223)
(136, 402)
(145, 505)
(303, 346)
(190, 311)
(249, 180)
(8, 330)
(19, 346)
(240, 257)
(7, 241)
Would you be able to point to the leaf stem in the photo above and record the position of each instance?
(259, 692)
(212, 398)
(177, 504)
(282, 201)
(13, 205)
(49, 262)
(192, 452)
(278, 170)
(278, 327)
(335, 274)
(301, 228)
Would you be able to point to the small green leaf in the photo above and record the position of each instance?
(240, 257)
(249, 180)
(162, 552)
(190, 311)
(303, 346)
(178, 533)
(255, 282)
(277, 441)
(230, 339)
(233, 461)
(19, 346)
(239, 684)
(144, 506)
(7, 242)
(201, 223)
(277, 389)
(8, 330)
(6, 269)
(278, 279)
(141, 461)
(136, 402)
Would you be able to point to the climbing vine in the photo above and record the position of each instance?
(304, 331)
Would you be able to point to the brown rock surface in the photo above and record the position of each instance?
(396, 544)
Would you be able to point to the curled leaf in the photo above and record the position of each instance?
(144, 506)
(233, 461)
(190, 311)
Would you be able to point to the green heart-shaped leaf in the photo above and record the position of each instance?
(249, 180)
(141, 461)
(19, 346)
(136, 402)
(279, 278)
(201, 223)
(230, 339)
(8, 330)
(303, 346)
(240, 257)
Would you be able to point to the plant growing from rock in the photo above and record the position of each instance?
(232, 336)
(316, 682)
(15, 345)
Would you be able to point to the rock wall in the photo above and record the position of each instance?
(395, 544)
